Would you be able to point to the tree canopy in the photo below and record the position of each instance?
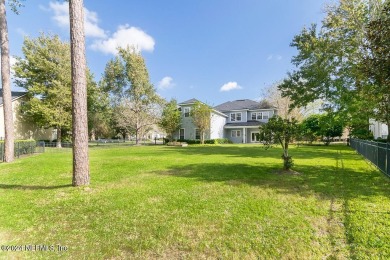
(281, 131)
(136, 103)
(170, 118)
(343, 62)
(44, 72)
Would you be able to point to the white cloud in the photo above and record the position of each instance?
(123, 37)
(165, 83)
(61, 17)
(230, 86)
(274, 57)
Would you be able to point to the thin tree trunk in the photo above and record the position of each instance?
(59, 138)
(6, 85)
(79, 94)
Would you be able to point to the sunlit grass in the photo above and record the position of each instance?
(197, 202)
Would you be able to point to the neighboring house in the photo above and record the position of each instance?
(378, 129)
(238, 121)
(22, 128)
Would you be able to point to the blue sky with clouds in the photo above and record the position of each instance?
(212, 50)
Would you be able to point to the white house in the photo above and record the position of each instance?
(378, 129)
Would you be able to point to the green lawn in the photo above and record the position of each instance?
(198, 202)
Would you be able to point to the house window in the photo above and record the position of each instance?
(197, 133)
(186, 112)
(236, 133)
(181, 134)
(265, 115)
(259, 115)
(235, 117)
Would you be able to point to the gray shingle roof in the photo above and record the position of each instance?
(190, 101)
(241, 105)
(14, 94)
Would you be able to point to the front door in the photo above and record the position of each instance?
(181, 134)
(254, 137)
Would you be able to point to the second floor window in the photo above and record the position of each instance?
(186, 112)
(259, 115)
(234, 117)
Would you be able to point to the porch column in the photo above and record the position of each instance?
(244, 135)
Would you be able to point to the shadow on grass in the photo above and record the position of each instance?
(326, 182)
(32, 187)
(258, 151)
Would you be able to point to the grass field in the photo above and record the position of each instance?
(197, 202)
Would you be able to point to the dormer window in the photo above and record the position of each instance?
(235, 117)
(186, 112)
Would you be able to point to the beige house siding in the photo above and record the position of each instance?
(22, 128)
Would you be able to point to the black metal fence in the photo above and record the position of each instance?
(22, 148)
(376, 152)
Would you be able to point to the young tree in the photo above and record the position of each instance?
(79, 94)
(134, 98)
(281, 131)
(201, 117)
(44, 72)
(170, 118)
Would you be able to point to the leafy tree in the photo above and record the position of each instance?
(6, 80)
(170, 118)
(376, 65)
(281, 131)
(44, 72)
(329, 60)
(136, 103)
(99, 112)
(201, 117)
(310, 127)
(330, 126)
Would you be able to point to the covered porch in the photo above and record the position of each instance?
(246, 132)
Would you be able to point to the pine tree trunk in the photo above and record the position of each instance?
(79, 94)
(59, 138)
(6, 84)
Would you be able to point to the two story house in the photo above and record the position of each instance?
(238, 120)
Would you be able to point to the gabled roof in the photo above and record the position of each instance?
(194, 100)
(14, 95)
(189, 102)
(242, 104)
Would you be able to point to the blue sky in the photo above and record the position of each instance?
(212, 50)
